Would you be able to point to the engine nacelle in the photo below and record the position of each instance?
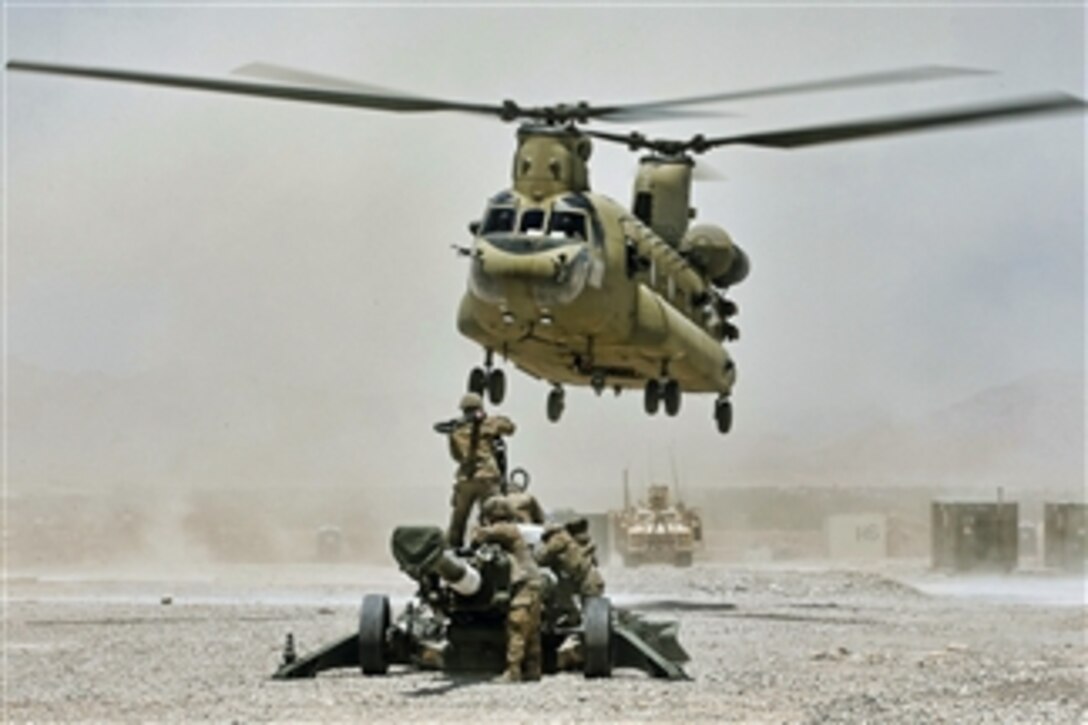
(712, 250)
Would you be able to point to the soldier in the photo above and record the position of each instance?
(570, 560)
(526, 507)
(478, 476)
(523, 656)
(570, 557)
(579, 531)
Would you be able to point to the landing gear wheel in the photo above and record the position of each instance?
(671, 395)
(723, 415)
(496, 386)
(652, 397)
(477, 381)
(597, 616)
(373, 624)
(556, 403)
(596, 381)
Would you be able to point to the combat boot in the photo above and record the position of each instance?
(511, 675)
(532, 669)
(569, 654)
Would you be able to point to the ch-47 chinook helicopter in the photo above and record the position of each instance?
(578, 289)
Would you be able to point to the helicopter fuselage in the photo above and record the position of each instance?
(574, 289)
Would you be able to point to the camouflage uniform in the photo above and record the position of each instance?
(523, 656)
(526, 508)
(579, 530)
(570, 561)
(478, 475)
(570, 556)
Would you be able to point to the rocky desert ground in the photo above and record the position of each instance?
(794, 644)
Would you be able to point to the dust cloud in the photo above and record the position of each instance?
(230, 323)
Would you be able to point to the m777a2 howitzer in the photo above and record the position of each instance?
(456, 621)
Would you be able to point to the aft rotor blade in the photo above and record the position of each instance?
(326, 96)
(636, 111)
(892, 125)
(706, 173)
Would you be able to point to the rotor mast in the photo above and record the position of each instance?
(550, 160)
(662, 195)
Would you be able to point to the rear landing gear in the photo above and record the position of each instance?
(671, 395)
(556, 403)
(488, 381)
(723, 414)
(665, 391)
(651, 398)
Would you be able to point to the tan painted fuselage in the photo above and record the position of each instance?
(625, 312)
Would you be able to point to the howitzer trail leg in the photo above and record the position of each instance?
(342, 653)
(650, 646)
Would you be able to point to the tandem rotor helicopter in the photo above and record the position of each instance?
(573, 287)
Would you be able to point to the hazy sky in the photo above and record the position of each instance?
(281, 274)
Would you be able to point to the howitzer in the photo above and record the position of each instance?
(456, 622)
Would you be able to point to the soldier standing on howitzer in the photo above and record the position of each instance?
(478, 473)
(523, 655)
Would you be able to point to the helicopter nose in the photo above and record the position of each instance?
(535, 266)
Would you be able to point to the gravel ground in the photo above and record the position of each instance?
(802, 645)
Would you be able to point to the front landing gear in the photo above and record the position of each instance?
(489, 381)
(658, 392)
(723, 414)
(556, 403)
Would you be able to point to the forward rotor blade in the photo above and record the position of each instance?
(284, 74)
(892, 125)
(334, 97)
(904, 75)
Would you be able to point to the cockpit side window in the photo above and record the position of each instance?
(499, 220)
(571, 224)
(532, 220)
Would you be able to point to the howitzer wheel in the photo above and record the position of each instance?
(597, 636)
(373, 624)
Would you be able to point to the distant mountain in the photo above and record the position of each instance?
(1029, 433)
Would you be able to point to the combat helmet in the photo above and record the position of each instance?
(551, 529)
(471, 401)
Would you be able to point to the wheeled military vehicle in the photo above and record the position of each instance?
(456, 622)
(657, 532)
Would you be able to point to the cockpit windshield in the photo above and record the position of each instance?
(571, 224)
(499, 220)
(532, 221)
(562, 222)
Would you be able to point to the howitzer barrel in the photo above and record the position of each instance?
(421, 550)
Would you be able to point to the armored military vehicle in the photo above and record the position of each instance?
(656, 531)
(456, 621)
